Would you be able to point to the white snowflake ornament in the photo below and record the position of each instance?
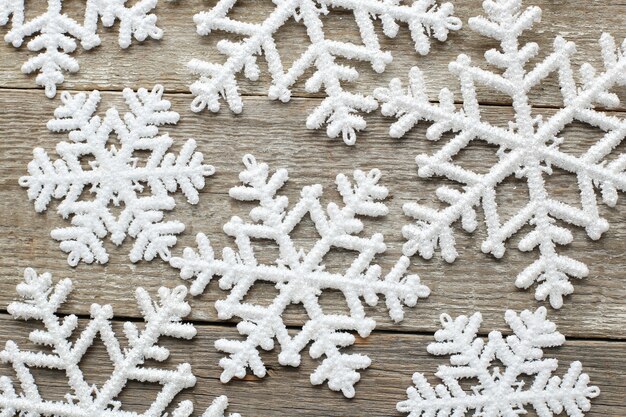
(499, 392)
(122, 177)
(339, 110)
(529, 149)
(57, 33)
(300, 276)
(41, 301)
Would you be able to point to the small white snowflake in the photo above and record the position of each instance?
(300, 276)
(529, 148)
(495, 392)
(115, 176)
(56, 32)
(423, 17)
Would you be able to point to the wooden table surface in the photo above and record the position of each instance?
(593, 318)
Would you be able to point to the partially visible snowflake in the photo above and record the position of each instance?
(499, 392)
(56, 33)
(41, 301)
(300, 276)
(423, 17)
(118, 177)
(529, 149)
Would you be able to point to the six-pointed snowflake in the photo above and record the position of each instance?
(499, 392)
(300, 276)
(117, 177)
(56, 33)
(339, 109)
(41, 302)
(529, 149)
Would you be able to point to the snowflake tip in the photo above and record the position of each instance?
(184, 409)
(363, 197)
(218, 408)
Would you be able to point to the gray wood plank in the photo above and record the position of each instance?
(474, 282)
(109, 67)
(395, 357)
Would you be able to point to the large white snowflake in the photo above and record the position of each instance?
(300, 276)
(339, 109)
(56, 33)
(41, 301)
(122, 177)
(529, 149)
(496, 392)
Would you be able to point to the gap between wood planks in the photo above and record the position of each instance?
(394, 359)
(483, 332)
(312, 97)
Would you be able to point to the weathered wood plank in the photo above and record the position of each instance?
(474, 282)
(108, 67)
(394, 359)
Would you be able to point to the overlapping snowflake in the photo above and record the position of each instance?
(529, 149)
(57, 33)
(340, 108)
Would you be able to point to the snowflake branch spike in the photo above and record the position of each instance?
(115, 176)
(499, 393)
(301, 276)
(339, 110)
(218, 408)
(529, 148)
(40, 301)
(57, 33)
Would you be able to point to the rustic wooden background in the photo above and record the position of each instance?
(593, 318)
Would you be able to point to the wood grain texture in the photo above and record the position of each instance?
(474, 282)
(107, 67)
(593, 317)
(287, 391)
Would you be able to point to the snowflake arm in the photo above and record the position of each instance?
(57, 33)
(135, 21)
(41, 301)
(499, 393)
(339, 110)
(529, 149)
(115, 176)
(218, 408)
(301, 277)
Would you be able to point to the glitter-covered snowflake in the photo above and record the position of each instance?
(118, 177)
(57, 33)
(300, 276)
(499, 392)
(529, 149)
(340, 108)
(41, 301)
